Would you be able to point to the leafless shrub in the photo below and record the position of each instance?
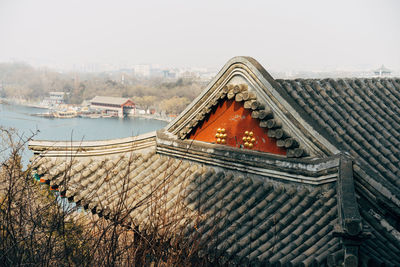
(38, 228)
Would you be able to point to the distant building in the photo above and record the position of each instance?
(55, 99)
(169, 74)
(141, 70)
(113, 105)
(382, 71)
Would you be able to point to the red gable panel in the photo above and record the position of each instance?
(128, 103)
(233, 125)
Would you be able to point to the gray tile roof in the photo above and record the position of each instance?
(240, 218)
(339, 204)
(361, 116)
(383, 248)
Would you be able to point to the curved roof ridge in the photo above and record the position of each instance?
(91, 143)
(92, 148)
(248, 72)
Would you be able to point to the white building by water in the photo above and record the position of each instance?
(54, 99)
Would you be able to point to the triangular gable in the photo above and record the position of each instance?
(230, 123)
(245, 81)
(128, 103)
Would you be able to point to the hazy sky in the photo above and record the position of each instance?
(281, 35)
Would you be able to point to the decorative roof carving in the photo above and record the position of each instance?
(328, 209)
(258, 110)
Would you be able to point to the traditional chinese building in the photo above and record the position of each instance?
(264, 171)
(113, 105)
(382, 72)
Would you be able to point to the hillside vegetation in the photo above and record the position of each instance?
(18, 80)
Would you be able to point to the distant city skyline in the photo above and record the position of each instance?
(203, 72)
(282, 35)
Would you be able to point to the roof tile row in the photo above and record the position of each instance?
(241, 218)
(358, 115)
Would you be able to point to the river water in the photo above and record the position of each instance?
(77, 129)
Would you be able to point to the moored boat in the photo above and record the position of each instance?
(65, 114)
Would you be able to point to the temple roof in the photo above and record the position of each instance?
(382, 69)
(359, 116)
(242, 217)
(331, 197)
(110, 100)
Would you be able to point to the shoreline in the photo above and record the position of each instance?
(7, 101)
(151, 117)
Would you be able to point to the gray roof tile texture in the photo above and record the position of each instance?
(243, 219)
(383, 247)
(361, 116)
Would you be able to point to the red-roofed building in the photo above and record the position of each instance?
(113, 105)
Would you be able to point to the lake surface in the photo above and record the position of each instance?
(77, 129)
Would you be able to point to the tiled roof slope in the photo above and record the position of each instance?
(240, 218)
(383, 247)
(360, 116)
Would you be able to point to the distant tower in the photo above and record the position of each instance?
(382, 71)
(122, 79)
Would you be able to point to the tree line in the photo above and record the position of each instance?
(19, 80)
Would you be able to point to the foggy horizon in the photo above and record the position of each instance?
(289, 36)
